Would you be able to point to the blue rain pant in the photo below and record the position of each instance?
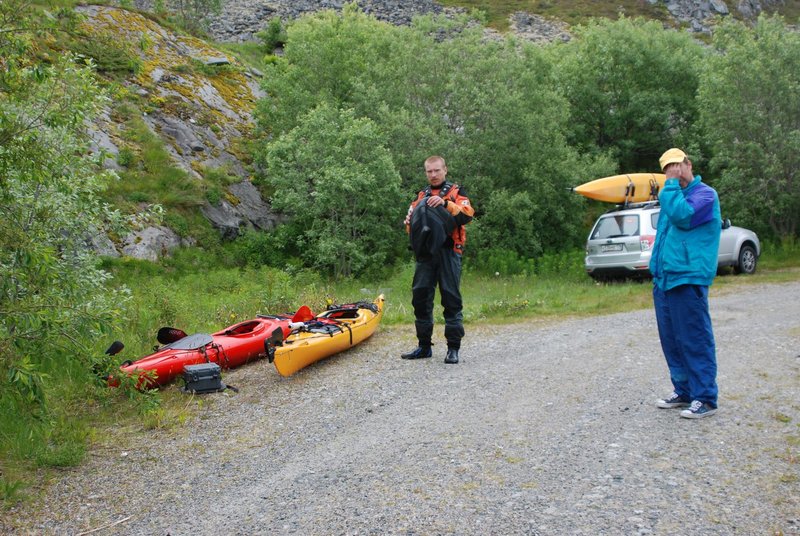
(444, 269)
(684, 326)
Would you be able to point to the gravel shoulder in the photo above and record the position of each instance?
(543, 429)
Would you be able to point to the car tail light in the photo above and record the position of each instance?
(647, 241)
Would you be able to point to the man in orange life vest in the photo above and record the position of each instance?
(441, 264)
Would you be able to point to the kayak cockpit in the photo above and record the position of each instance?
(244, 328)
(190, 342)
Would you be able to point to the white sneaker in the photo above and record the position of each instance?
(672, 401)
(698, 410)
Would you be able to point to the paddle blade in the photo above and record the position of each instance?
(169, 335)
(303, 314)
(276, 339)
(115, 348)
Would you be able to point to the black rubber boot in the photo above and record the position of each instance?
(418, 353)
(452, 356)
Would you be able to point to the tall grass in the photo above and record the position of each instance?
(193, 295)
(197, 295)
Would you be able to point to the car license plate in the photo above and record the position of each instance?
(605, 248)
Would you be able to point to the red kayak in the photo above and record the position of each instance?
(229, 348)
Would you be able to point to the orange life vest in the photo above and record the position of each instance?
(457, 204)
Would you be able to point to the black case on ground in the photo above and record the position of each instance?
(203, 378)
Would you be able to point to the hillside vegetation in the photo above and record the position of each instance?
(579, 11)
(349, 111)
(572, 12)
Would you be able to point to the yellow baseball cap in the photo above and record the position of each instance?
(672, 156)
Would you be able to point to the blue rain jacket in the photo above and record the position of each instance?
(687, 239)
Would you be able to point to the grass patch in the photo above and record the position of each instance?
(200, 290)
(108, 53)
(780, 255)
(780, 417)
(149, 175)
(250, 53)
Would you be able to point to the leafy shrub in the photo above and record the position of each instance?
(257, 248)
(613, 76)
(273, 35)
(750, 111)
(195, 14)
(333, 176)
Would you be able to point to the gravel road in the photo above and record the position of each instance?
(545, 428)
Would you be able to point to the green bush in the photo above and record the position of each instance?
(613, 75)
(750, 110)
(273, 35)
(564, 265)
(259, 248)
(333, 176)
(54, 300)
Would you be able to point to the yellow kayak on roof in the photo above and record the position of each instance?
(628, 188)
(337, 329)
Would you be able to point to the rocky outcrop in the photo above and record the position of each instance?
(151, 243)
(199, 100)
(241, 19)
(696, 15)
(699, 16)
(538, 29)
(245, 209)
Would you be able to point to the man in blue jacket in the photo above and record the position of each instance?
(683, 264)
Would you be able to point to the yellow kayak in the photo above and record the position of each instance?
(629, 188)
(337, 329)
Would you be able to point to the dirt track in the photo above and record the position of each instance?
(544, 428)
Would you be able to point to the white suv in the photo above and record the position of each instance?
(622, 239)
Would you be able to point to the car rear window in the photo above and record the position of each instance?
(616, 226)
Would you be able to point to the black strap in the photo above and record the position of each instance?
(443, 191)
(351, 306)
(350, 330)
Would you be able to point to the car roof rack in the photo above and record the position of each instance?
(641, 204)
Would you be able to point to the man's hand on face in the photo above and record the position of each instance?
(673, 171)
(681, 171)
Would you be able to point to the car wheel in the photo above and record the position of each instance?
(747, 261)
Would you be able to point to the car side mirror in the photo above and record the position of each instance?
(726, 223)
